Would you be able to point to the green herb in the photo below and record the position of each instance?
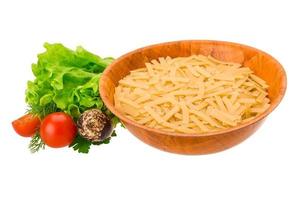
(82, 145)
(36, 143)
(42, 111)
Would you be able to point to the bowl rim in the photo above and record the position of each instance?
(260, 117)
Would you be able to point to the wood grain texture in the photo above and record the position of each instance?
(260, 62)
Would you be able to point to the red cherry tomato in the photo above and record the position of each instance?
(58, 130)
(26, 125)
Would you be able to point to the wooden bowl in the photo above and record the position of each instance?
(260, 62)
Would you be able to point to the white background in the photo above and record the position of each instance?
(266, 166)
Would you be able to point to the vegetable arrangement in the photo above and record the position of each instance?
(65, 108)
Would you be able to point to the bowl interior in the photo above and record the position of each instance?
(260, 62)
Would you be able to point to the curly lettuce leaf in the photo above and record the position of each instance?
(69, 79)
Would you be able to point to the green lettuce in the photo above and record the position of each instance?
(66, 78)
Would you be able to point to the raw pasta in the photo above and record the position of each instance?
(193, 94)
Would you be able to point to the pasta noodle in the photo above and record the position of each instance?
(193, 94)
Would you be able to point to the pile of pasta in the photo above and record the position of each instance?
(193, 94)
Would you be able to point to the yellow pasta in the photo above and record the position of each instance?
(193, 94)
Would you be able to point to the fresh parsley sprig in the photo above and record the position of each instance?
(82, 145)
